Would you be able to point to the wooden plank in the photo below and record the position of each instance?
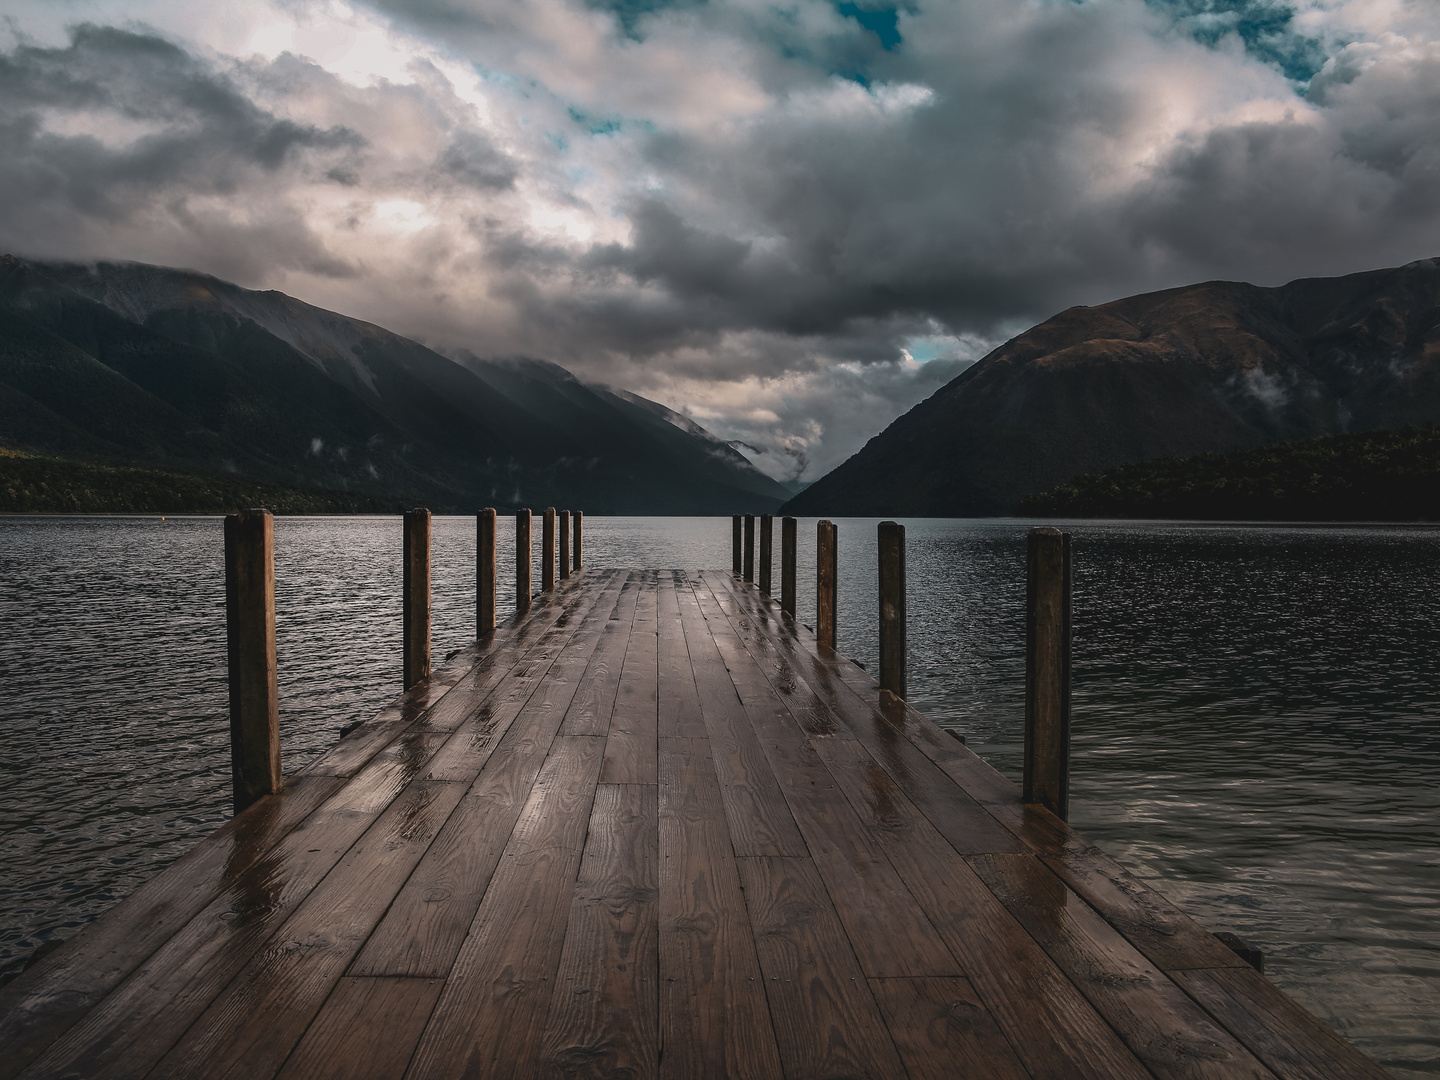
(147, 1013)
(250, 1029)
(714, 1020)
(448, 697)
(594, 701)
(1167, 937)
(826, 1022)
(422, 932)
(543, 680)
(1169, 1033)
(491, 1013)
(824, 707)
(630, 744)
(889, 932)
(942, 1029)
(603, 1011)
(1053, 1029)
(679, 701)
(1038, 828)
(45, 1002)
(759, 818)
(366, 1030)
(1294, 1044)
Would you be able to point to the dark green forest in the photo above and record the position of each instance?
(1372, 476)
(30, 484)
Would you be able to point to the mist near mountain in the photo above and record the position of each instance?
(145, 365)
(1213, 367)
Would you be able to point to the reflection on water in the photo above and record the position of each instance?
(1255, 709)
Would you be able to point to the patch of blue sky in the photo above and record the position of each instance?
(883, 22)
(1265, 27)
(596, 125)
(929, 347)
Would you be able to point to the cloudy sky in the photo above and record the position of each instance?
(790, 219)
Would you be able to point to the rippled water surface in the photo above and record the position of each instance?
(1256, 709)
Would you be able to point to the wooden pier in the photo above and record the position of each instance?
(651, 828)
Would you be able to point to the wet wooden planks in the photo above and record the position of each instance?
(651, 829)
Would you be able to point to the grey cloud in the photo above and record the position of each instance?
(193, 132)
(472, 159)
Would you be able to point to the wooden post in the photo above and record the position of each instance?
(767, 543)
(787, 566)
(579, 538)
(485, 575)
(891, 538)
(250, 640)
(547, 551)
(522, 561)
(1047, 671)
(416, 588)
(826, 576)
(735, 529)
(564, 529)
(749, 569)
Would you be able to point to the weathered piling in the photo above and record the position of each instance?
(522, 561)
(767, 544)
(485, 575)
(250, 639)
(787, 566)
(578, 552)
(749, 571)
(826, 578)
(891, 538)
(416, 588)
(1047, 670)
(735, 542)
(547, 550)
(564, 527)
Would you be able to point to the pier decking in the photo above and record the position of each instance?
(650, 829)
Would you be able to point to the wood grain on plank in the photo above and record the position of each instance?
(1169, 938)
(1037, 827)
(1293, 1043)
(603, 1011)
(631, 739)
(366, 1030)
(490, 1016)
(422, 932)
(471, 673)
(890, 933)
(826, 1021)
(942, 1030)
(50, 998)
(143, 1017)
(759, 818)
(714, 1020)
(1054, 1030)
(679, 704)
(594, 701)
(823, 706)
(250, 1029)
(1169, 1033)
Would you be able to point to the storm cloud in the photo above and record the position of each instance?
(790, 222)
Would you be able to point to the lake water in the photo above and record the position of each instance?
(1256, 709)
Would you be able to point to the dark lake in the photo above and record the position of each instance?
(1256, 709)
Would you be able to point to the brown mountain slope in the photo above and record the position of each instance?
(1214, 367)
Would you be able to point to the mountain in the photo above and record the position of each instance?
(148, 366)
(1207, 368)
(1373, 476)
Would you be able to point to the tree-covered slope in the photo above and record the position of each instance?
(158, 368)
(1375, 476)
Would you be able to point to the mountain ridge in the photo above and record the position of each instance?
(1211, 367)
(172, 369)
